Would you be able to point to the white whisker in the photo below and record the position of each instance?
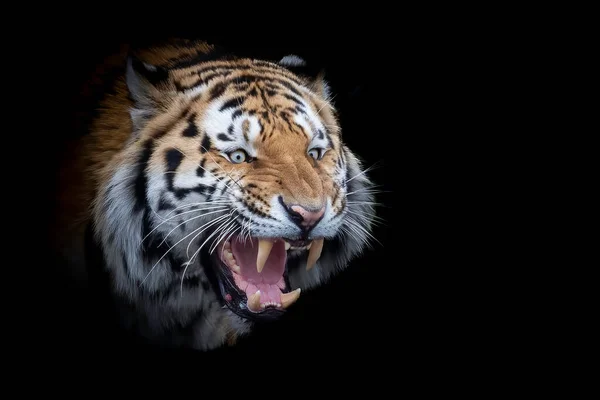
(218, 219)
(232, 228)
(364, 171)
(219, 202)
(221, 227)
(359, 228)
(169, 249)
(373, 219)
(367, 191)
(232, 233)
(367, 203)
(189, 262)
(173, 217)
(217, 241)
(190, 219)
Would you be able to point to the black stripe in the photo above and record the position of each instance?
(141, 181)
(232, 103)
(209, 190)
(224, 137)
(279, 70)
(217, 90)
(200, 171)
(201, 81)
(173, 158)
(266, 101)
(236, 114)
(330, 142)
(192, 129)
(204, 190)
(257, 68)
(215, 65)
(262, 129)
(285, 117)
(293, 98)
(224, 73)
(181, 88)
(220, 87)
(205, 145)
(240, 87)
(164, 204)
(289, 86)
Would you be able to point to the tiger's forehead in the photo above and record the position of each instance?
(241, 103)
(258, 111)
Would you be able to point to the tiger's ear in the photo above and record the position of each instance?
(145, 83)
(299, 66)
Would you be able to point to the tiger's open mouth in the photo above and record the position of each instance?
(253, 277)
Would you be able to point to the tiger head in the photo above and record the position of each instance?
(241, 180)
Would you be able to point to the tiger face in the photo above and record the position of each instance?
(241, 179)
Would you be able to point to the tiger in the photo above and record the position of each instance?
(215, 189)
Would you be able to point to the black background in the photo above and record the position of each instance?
(361, 312)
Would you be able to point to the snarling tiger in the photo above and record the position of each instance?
(215, 188)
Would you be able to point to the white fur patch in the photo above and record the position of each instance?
(216, 122)
(292, 60)
(254, 130)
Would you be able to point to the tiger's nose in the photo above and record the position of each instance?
(305, 217)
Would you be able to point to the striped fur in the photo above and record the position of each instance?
(157, 166)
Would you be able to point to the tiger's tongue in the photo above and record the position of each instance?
(246, 252)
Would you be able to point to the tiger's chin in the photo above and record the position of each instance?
(252, 274)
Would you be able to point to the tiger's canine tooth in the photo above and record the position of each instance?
(314, 253)
(264, 249)
(287, 299)
(287, 246)
(254, 301)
